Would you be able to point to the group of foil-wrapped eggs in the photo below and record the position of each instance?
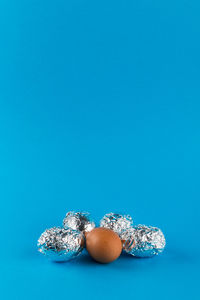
(105, 243)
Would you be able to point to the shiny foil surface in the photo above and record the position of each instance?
(143, 241)
(116, 222)
(61, 244)
(81, 221)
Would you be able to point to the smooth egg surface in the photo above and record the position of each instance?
(103, 244)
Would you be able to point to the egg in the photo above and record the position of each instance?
(103, 244)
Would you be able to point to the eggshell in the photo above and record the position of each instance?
(103, 244)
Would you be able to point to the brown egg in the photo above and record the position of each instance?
(103, 244)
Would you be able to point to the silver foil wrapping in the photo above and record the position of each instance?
(143, 241)
(81, 221)
(116, 222)
(61, 244)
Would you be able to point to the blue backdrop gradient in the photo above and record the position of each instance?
(99, 111)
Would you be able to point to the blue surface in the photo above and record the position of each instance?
(99, 111)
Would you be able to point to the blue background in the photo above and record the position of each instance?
(99, 111)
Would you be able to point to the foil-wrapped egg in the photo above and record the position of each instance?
(116, 222)
(61, 244)
(81, 221)
(143, 241)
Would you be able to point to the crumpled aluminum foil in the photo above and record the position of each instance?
(143, 241)
(81, 221)
(61, 244)
(116, 222)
